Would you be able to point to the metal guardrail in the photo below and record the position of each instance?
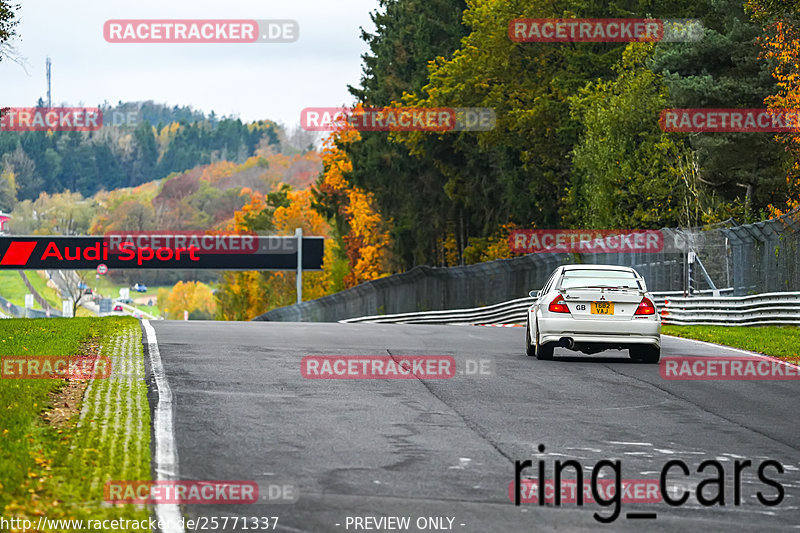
(703, 308)
(772, 308)
(41, 300)
(17, 311)
(505, 312)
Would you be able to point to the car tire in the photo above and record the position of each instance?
(545, 352)
(645, 354)
(529, 348)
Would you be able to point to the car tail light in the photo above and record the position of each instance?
(558, 305)
(646, 307)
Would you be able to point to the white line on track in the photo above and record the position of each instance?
(166, 456)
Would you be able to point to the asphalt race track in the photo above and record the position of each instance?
(447, 447)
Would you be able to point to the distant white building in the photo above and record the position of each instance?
(3, 219)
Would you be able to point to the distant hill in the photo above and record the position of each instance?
(159, 142)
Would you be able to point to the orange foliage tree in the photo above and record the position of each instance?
(193, 297)
(362, 229)
(490, 248)
(245, 295)
(781, 43)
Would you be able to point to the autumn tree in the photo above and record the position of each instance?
(28, 182)
(361, 229)
(133, 215)
(245, 295)
(8, 191)
(67, 213)
(781, 45)
(110, 206)
(407, 188)
(194, 297)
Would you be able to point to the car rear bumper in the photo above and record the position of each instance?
(637, 331)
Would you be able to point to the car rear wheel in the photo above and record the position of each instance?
(645, 354)
(544, 352)
(529, 348)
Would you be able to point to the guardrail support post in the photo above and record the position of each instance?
(299, 234)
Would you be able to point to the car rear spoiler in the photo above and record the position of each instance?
(641, 291)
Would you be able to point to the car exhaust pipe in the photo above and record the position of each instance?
(566, 342)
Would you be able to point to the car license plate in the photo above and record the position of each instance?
(602, 308)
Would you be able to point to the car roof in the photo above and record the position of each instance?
(598, 267)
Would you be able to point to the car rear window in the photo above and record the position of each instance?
(599, 278)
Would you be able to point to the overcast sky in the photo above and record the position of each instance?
(253, 81)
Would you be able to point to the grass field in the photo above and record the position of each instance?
(39, 283)
(50, 463)
(12, 288)
(777, 341)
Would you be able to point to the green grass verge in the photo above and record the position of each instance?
(39, 282)
(61, 471)
(778, 341)
(81, 312)
(13, 289)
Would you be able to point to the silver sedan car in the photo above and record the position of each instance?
(591, 308)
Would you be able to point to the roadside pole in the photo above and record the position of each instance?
(299, 234)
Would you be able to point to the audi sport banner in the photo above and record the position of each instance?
(141, 250)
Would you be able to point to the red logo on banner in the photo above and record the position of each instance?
(18, 253)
